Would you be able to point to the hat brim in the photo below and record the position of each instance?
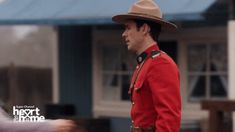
(121, 19)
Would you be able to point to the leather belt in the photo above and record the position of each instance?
(140, 129)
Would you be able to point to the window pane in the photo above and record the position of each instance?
(115, 87)
(218, 86)
(117, 58)
(197, 57)
(128, 61)
(170, 47)
(218, 56)
(125, 86)
(197, 86)
(111, 59)
(118, 66)
(111, 87)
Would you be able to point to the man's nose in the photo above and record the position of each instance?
(124, 34)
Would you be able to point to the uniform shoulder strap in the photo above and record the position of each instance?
(155, 53)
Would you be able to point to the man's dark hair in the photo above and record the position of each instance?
(155, 28)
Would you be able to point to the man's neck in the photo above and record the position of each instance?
(146, 45)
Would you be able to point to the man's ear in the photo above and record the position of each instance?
(145, 28)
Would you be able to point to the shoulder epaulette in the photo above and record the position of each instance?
(155, 53)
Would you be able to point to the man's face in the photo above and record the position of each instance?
(132, 36)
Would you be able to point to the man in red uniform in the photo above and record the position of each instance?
(155, 85)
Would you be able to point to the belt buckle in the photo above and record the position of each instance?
(139, 129)
(135, 129)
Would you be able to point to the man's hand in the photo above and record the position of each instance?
(61, 125)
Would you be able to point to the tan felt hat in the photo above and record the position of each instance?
(144, 10)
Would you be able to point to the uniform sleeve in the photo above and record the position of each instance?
(163, 80)
(7, 125)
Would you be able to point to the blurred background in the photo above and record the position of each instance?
(68, 58)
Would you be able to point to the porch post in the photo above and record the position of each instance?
(55, 68)
(231, 63)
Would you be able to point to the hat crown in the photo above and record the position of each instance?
(145, 10)
(146, 7)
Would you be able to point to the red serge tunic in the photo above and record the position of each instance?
(155, 92)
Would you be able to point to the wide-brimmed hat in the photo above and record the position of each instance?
(144, 10)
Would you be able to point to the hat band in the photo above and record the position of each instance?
(144, 15)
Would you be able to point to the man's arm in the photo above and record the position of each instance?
(7, 125)
(163, 79)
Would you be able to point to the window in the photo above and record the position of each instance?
(117, 69)
(207, 71)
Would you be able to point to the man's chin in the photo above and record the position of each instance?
(130, 49)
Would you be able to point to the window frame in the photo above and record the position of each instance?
(103, 107)
(207, 73)
(192, 110)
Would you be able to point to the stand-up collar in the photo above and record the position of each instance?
(140, 58)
